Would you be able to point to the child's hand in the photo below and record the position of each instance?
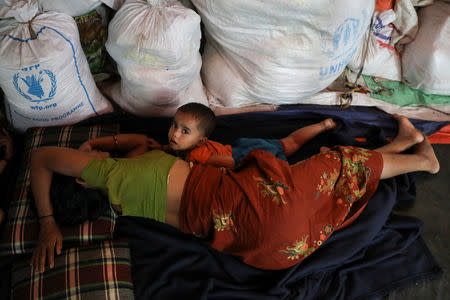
(153, 144)
(6, 141)
(85, 147)
(328, 124)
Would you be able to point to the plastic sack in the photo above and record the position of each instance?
(5, 2)
(156, 47)
(278, 52)
(76, 8)
(72, 8)
(380, 57)
(43, 71)
(426, 60)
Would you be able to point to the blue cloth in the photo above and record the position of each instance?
(380, 252)
(242, 146)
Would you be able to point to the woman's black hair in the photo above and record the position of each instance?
(73, 204)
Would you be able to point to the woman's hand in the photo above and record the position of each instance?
(50, 240)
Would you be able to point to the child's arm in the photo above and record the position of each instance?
(219, 160)
(131, 144)
(299, 137)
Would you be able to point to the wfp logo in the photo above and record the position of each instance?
(340, 46)
(344, 37)
(35, 84)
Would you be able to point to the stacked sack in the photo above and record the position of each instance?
(78, 7)
(426, 60)
(156, 47)
(43, 70)
(278, 52)
(377, 54)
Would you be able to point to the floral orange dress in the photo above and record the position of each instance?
(272, 215)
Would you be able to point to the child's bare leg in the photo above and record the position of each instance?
(299, 137)
(423, 159)
(407, 136)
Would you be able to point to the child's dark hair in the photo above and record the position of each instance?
(73, 204)
(205, 116)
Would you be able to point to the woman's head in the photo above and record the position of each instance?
(73, 204)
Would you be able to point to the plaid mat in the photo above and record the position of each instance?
(22, 227)
(100, 271)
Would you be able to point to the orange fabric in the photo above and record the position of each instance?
(441, 137)
(202, 153)
(384, 4)
(272, 215)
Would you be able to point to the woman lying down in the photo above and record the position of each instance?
(269, 214)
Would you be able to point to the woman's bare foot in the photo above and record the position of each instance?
(328, 124)
(430, 161)
(407, 136)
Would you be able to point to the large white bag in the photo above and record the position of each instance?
(426, 60)
(156, 47)
(4, 2)
(72, 8)
(76, 8)
(278, 52)
(378, 54)
(43, 72)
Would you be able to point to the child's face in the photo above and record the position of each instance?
(184, 133)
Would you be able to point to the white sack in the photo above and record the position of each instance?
(156, 47)
(5, 2)
(76, 8)
(46, 79)
(278, 52)
(380, 57)
(114, 4)
(71, 7)
(426, 60)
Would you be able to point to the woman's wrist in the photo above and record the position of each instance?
(46, 218)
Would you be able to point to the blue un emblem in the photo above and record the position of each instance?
(35, 84)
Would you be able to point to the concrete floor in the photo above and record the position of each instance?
(432, 206)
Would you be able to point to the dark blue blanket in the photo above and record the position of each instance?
(380, 252)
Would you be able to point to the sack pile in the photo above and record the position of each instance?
(155, 44)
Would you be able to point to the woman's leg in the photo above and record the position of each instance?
(422, 159)
(407, 136)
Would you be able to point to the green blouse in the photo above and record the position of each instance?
(138, 185)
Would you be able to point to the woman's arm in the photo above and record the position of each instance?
(45, 161)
